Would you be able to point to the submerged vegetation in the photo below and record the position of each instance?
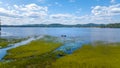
(98, 56)
(5, 42)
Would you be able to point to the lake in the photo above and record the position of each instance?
(87, 34)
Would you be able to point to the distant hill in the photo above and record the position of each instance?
(55, 25)
(114, 25)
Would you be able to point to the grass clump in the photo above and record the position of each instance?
(89, 56)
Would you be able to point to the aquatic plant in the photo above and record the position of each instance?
(101, 55)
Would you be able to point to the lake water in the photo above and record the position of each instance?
(87, 34)
(76, 37)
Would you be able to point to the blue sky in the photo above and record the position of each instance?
(17, 12)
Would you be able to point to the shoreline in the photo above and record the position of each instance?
(14, 45)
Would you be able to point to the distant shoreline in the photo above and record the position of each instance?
(57, 27)
(90, 25)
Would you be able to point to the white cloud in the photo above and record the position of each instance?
(24, 13)
(33, 7)
(61, 16)
(106, 13)
(35, 14)
(106, 10)
(8, 13)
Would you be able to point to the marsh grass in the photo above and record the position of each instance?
(5, 42)
(101, 55)
(37, 54)
(34, 48)
(41, 61)
(40, 54)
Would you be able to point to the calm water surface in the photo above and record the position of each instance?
(88, 34)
